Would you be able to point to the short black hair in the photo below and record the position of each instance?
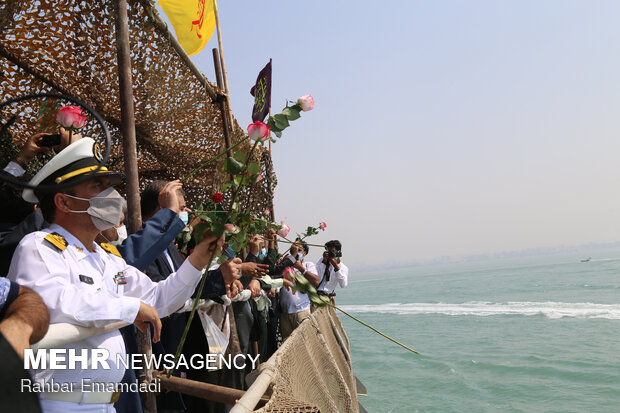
(334, 244)
(149, 200)
(47, 206)
(305, 246)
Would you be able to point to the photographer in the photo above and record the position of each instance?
(17, 216)
(296, 306)
(331, 270)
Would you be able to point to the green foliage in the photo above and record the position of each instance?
(240, 156)
(281, 121)
(253, 168)
(310, 231)
(233, 166)
(213, 217)
(291, 112)
(302, 285)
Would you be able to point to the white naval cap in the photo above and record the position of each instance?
(81, 157)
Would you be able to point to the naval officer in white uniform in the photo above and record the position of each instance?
(91, 285)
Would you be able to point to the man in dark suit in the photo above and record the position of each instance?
(174, 325)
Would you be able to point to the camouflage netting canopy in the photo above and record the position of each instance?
(69, 47)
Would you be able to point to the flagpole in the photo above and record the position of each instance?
(222, 61)
(224, 108)
(270, 139)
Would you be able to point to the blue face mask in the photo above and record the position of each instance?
(184, 216)
(300, 256)
(262, 254)
(230, 253)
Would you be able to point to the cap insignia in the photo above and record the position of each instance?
(97, 152)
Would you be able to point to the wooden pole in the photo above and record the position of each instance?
(207, 391)
(269, 139)
(273, 213)
(224, 107)
(130, 156)
(222, 61)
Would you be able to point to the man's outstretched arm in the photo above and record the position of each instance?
(26, 320)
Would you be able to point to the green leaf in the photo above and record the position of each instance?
(223, 258)
(233, 166)
(226, 186)
(281, 121)
(291, 113)
(241, 240)
(272, 125)
(253, 168)
(240, 156)
(220, 213)
(278, 134)
(217, 229)
(318, 300)
(296, 106)
(199, 231)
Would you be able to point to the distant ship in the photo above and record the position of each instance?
(587, 259)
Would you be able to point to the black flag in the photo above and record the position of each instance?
(262, 94)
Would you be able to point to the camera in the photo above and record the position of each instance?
(49, 140)
(334, 254)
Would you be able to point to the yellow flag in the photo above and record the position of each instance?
(193, 22)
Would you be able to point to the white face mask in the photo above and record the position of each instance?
(184, 216)
(122, 235)
(105, 208)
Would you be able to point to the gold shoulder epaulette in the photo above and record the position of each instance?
(57, 241)
(111, 249)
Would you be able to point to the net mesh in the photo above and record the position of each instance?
(69, 47)
(313, 369)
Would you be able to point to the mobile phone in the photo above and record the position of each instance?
(49, 140)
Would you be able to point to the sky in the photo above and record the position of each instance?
(440, 127)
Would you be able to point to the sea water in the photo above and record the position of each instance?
(537, 334)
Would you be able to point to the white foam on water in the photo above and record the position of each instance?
(483, 309)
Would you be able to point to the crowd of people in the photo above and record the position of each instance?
(67, 258)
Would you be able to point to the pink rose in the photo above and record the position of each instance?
(322, 225)
(267, 212)
(259, 177)
(283, 232)
(70, 117)
(258, 130)
(306, 102)
(288, 273)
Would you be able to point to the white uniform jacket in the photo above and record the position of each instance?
(93, 289)
(336, 278)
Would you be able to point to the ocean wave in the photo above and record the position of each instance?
(484, 309)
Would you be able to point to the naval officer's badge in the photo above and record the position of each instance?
(57, 240)
(119, 278)
(86, 279)
(111, 249)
